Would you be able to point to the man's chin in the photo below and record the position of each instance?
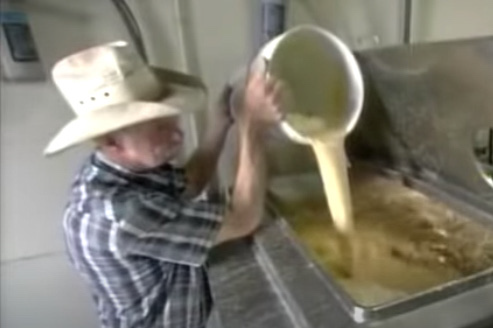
(171, 157)
(174, 154)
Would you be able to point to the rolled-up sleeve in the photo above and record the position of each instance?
(174, 230)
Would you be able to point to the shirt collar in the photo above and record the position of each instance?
(103, 159)
(100, 158)
(165, 175)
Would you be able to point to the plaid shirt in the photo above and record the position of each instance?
(140, 246)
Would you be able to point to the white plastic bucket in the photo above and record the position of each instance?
(320, 75)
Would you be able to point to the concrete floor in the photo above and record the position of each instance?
(44, 292)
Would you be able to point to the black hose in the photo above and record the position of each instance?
(408, 12)
(490, 147)
(132, 26)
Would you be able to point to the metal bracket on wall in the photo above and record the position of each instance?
(20, 60)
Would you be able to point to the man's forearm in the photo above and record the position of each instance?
(250, 179)
(247, 201)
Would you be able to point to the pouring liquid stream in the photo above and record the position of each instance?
(332, 164)
(328, 148)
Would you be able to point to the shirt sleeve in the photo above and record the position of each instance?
(174, 230)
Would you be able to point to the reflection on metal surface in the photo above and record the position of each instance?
(483, 151)
(422, 123)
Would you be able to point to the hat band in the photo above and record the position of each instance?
(137, 84)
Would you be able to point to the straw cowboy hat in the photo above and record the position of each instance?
(109, 87)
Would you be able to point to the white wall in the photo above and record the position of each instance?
(361, 24)
(437, 20)
(357, 22)
(32, 186)
(223, 38)
(39, 289)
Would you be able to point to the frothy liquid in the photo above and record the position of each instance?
(329, 151)
(397, 242)
(405, 242)
(328, 146)
(332, 164)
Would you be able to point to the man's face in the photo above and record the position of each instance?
(151, 144)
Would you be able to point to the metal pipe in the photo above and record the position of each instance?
(408, 12)
(179, 17)
(490, 147)
(182, 10)
(186, 36)
(132, 26)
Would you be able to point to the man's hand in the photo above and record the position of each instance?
(261, 104)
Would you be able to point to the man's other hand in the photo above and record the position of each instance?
(261, 104)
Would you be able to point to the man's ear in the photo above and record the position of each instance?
(109, 143)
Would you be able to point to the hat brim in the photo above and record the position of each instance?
(187, 95)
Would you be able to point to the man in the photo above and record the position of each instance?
(134, 228)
